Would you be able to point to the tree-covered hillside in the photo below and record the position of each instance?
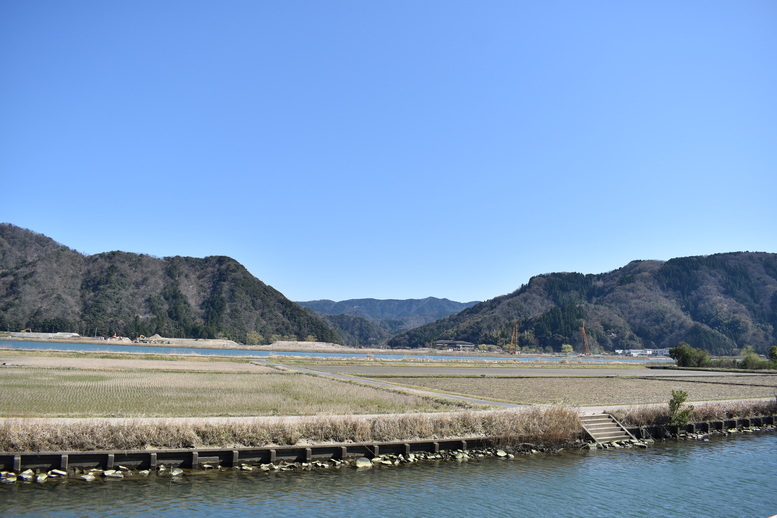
(48, 287)
(373, 321)
(358, 331)
(719, 303)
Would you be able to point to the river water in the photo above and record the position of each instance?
(732, 476)
(155, 349)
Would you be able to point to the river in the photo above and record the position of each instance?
(108, 346)
(732, 476)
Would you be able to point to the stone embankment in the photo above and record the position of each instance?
(643, 436)
(94, 466)
(192, 462)
(705, 429)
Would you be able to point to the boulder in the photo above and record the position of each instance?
(363, 462)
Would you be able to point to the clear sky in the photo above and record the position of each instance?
(395, 149)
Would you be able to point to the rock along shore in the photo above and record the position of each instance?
(43, 466)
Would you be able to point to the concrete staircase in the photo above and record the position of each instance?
(604, 428)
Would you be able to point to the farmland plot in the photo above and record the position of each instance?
(575, 391)
(39, 392)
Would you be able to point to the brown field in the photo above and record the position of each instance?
(69, 384)
(72, 385)
(578, 391)
(195, 401)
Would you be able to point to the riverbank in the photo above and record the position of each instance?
(174, 402)
(304, 347)
(580, 483)
(119, 464)
(538, 425)
(541, 426)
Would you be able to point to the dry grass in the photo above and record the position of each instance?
(37, 392)
(495, 364)
(578, 391)
(659, 414)
(540, 426)
(188, 364)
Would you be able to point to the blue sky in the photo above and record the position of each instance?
(404, 149)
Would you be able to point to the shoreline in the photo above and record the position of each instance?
(544, 424)
(320, 347)
(118, 464)
(290, 346)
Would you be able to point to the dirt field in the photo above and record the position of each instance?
(498, 371)
(578, 391)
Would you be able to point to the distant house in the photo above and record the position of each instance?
(454, 344)
(642, 352)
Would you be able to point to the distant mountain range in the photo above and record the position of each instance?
(373, 321)
(719, 302)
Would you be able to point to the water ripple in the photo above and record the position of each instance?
(727, 477)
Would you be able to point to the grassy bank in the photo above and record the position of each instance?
(543, 427)
(659, 415)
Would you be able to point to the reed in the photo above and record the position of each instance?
(542, 427)
(658, 415)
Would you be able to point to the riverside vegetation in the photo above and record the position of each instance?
(676, 413)
(542, 427)
(687, 356)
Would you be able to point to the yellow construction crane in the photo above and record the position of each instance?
(513, 347)
(586, 351)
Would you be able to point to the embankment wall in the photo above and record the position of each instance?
(196, 458)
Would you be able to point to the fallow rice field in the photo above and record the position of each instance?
(69, 384)
(37, 384)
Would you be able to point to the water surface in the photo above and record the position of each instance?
(723, 477)
(156, 349)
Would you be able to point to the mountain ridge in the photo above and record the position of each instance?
(47, 286)
(370, 321)
(719, 302)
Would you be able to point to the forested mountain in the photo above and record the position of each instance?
(719, 303)
(373, 321)
(357, 331)
(48, 287)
